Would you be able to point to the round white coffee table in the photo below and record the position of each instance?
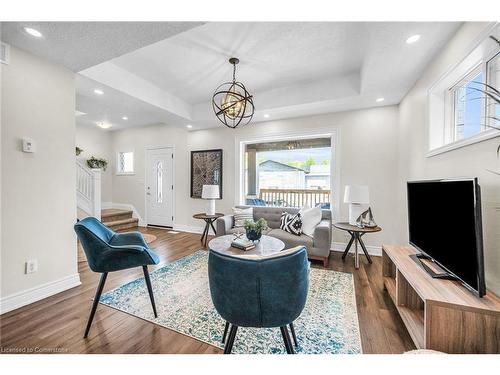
(266, 246)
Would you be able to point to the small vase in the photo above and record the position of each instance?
(254, 235)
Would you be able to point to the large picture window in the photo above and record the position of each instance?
(288, 173)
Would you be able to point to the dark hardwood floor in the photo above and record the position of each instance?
(56, 324)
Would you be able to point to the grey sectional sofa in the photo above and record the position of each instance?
(318, 247)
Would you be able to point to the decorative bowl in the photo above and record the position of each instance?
(254, 235)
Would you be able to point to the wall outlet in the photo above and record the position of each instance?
(31, 266)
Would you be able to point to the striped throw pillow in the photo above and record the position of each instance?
(291, 223)
(241, 215)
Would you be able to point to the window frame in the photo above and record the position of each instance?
(440, 99)
(332, 131)
(489, 79)
(125, 173)
(468, 77)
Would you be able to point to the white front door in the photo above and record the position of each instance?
(159, 186)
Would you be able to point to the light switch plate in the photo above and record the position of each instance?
(28, 145)
(31, 266)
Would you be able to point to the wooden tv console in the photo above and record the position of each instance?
(439, 314)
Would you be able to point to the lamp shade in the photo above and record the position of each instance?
(356, 194)
(210, 192)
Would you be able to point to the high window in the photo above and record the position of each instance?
(493, 79)
(460, 110)
(125, 163)
(468, 106)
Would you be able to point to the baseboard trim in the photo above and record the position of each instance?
(125, 206)
(189, 229)
(341, 246)
(20, 299)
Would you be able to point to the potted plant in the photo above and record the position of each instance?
(78, 150)
(97, 163)
(254, 228)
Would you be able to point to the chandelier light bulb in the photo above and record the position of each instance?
(232, 103)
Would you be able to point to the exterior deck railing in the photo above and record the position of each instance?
(295, 197)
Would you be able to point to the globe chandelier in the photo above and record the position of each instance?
(232, 103)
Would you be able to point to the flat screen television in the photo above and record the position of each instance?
(444, 218)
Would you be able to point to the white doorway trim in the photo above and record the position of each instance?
(146, 149)
(332, 133)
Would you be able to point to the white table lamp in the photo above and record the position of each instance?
(210, 192)
(356, 196)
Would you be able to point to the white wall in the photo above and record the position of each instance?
(38, 190)
(97, 142)
(471, 160)
(368, 155)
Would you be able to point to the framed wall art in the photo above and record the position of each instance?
(206, 169)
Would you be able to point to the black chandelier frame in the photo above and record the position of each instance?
(238, 90)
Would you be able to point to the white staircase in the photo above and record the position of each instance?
(88, 190)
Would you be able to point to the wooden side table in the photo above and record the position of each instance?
(356, 234)
(209, 222)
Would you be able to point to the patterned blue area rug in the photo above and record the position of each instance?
(328, 324)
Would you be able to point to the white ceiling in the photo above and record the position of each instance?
(293, 69)
(271, 55)
(79, 45)
(113, 105)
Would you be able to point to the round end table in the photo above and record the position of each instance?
(266, 246)
(356, 234)
(209, 222)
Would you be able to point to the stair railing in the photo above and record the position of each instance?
(88, 189)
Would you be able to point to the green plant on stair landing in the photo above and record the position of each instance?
(78, 150)
(97, 163)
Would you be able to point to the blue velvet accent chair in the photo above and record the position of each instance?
(108, 251)
(261, 292)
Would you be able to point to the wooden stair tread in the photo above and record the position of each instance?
(108, 212)
(123, 221)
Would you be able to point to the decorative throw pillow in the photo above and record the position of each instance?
(291, 223)
(311, 217)
(241, 215)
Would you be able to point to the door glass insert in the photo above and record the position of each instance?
(159, 182)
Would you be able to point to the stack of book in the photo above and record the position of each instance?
(243, 244)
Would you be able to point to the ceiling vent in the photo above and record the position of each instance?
(4, 53)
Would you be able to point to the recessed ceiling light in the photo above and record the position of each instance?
(125, 118)
(189, 126)
(33, 32)
(380, 100)
(412, 39)
(104, 125)
(266, 115)
(98, 92)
